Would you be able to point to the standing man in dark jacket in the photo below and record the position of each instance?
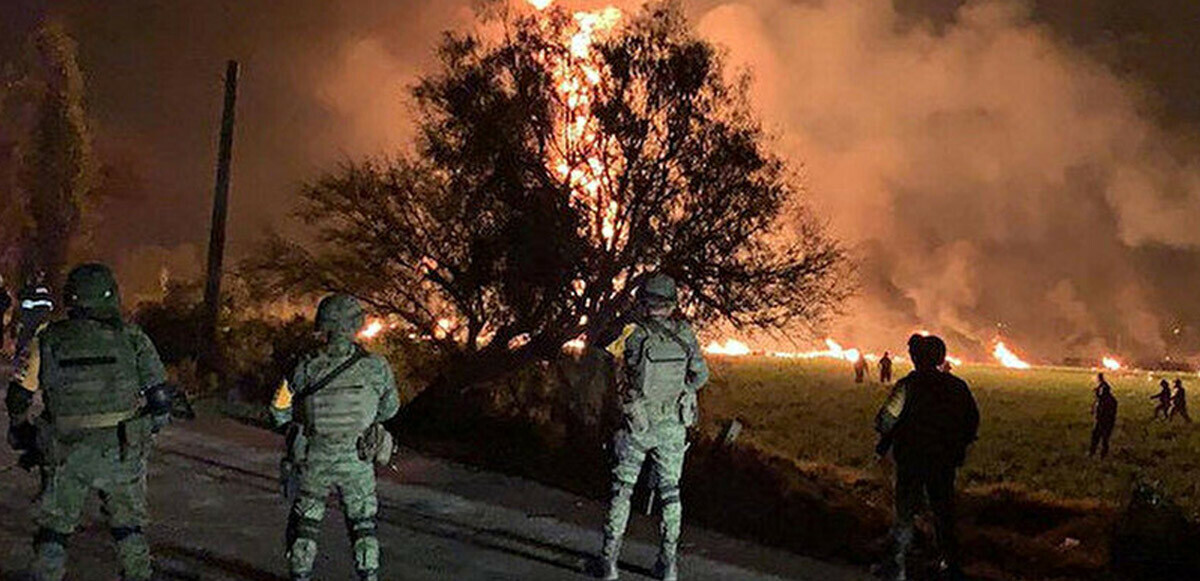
(1104, 409)
(927, 423)
(885, 368)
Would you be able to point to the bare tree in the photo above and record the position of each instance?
(552, 172)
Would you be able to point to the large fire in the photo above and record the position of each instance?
(1007, 358)
(1111, 364)
(580, 152)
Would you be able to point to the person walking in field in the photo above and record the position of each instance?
(1179, 403)
(1104, 410)
(860, 369)
(885, 368)
(927, 423)
(1164, 399)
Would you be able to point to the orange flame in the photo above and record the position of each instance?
(373, 328)
(1007, 358)
(732, 347)
(579, 151)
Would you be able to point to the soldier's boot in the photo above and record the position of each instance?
(614, 530)
(50, 559)
(606, 566)
(133, 553)
(666, 567)
(366, 548)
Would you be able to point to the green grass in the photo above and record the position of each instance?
(1035, 431)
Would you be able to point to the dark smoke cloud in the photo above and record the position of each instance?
(998, 167)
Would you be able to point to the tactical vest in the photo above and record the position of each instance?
(344, 409)
(662, 377)
(91, 374)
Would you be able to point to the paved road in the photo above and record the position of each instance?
(217, 516)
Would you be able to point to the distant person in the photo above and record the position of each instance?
(1179, 402)
(1104, 410)
(885, 368)
(1164, 399)
(5, 304)
(36, 306)
(332, 407)
(860, 369)
(927, 423)
(946, 367)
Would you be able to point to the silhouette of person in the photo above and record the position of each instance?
(1104, 410)
(1164, 399)
(885, 368)
(1179, 402)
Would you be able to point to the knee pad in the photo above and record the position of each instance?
(302, 528)
(362, 529)
(668, 494)
(121, 533)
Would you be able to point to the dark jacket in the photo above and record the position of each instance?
(929, 416)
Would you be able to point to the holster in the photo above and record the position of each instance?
(636, 417)
(376, 445)
(136, 436)
(689, 408)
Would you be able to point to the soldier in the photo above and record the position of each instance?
(927, 423)
(885, 368)
(36, 306)
(665, 370)
(340, 395)
(105, 394)
(1179, 402)
(1104, 409)
(1164, 399)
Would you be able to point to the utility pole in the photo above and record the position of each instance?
(209, 363)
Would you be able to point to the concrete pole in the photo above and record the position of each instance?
(209, 355)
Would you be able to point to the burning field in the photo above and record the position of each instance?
(1034, 433)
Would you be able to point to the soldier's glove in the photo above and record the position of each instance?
(22, 437)
(158, 404)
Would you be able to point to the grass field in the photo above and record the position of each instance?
(1035, 429)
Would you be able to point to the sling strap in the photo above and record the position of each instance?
(359, 355)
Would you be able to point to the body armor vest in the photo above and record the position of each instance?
(662, 378)
(91, 374)
(345, 408)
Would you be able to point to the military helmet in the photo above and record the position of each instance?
(340, 313)
(93, 287)
(659, 287)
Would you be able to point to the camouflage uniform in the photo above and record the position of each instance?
(330, 424)
(665, 370)
(927, 422)
(92, 370)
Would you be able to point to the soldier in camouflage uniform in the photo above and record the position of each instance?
(665, 370)
(105, 394)
(354, 393)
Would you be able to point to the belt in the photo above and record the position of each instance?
(92, 421)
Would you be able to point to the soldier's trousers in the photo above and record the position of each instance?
(354, 481)
(666, 446)
(121, 484)
(916, 482)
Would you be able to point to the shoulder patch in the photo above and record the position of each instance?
(617, 347)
